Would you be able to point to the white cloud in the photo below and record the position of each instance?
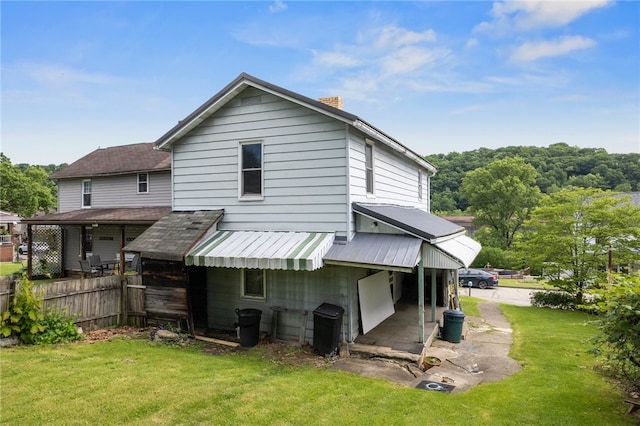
(54, 75)
(277, 6)
(532, 51)
(471, 43)
(393, 37)
(527, 15)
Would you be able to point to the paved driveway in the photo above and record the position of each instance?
(513, 296)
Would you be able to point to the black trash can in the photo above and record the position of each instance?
(327, 324)
(249, 322)
(452, 330)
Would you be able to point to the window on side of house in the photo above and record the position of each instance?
(419, 185)
(251, 177)
(143, 183)
(86, 193)
(254, 284)
(368, 160)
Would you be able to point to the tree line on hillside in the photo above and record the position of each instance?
(558, 165)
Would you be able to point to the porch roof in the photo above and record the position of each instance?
(378, 251)
(453, 246)
(297, 251)
(174, 235)
(99, 216)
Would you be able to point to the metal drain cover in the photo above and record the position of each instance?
(435, 386)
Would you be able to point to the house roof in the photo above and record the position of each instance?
(8, 217)
(410, 220)
(115, 160)
(245, 80)
(174, 235)
(110, 216)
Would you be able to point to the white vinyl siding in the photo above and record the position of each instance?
(116, 191)
(304, 167)
(396, 179)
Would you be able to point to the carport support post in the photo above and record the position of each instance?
(421, 301)
(434, 294)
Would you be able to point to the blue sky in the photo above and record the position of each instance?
(437, 76)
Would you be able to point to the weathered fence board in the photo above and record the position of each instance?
(96, 302)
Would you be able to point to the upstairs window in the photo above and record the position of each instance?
(251, 178)
(86, 193)
(368, 160)
(254, 284)
(143, 183)
(419, 185)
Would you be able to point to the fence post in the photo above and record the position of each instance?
(125, 304)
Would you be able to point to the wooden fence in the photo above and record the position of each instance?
(97, 302)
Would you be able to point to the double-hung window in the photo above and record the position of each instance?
(254, 284)
(419, 185)
(368, 159)
(143, 183)
(86, 193)
(251, 176)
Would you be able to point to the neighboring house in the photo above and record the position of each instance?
(105, 200)
(9, 235)
(308, 204)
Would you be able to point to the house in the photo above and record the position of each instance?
(300, 203)
(105, 199)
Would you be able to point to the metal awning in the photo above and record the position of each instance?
(296, 251)
(377, 251)
(461, 248)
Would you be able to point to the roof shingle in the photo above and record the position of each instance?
(123, 159)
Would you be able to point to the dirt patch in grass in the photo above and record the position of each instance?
(280, 353)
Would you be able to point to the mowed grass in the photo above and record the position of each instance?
(136, 382)
(9, 268)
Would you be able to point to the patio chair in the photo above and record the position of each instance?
(86, 269)
(134, 266)
(96, 263)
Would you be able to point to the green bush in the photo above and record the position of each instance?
(24, 316)
(58, 328)
(554, 300)
(619, 340)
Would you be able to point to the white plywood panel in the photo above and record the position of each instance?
(376, 303)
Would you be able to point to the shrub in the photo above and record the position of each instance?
(24, 316)
(619, 340)
(553, 299)
(58, 328)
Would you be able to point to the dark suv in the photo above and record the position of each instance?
(478, 278)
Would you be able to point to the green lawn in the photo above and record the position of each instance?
(8, 268)
(127, 381)
(524, 283)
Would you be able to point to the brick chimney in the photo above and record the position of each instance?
(334, 101)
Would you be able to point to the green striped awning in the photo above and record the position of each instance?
(297, 251)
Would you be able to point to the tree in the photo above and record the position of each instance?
(572, 233)
(502, 196)
(25, 191)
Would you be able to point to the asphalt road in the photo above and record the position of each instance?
(513, 296)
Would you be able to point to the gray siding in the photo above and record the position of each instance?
(305, 165)
(115, 191)
(286, 289)
(395, 177)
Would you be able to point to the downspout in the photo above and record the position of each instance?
(348, 229)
